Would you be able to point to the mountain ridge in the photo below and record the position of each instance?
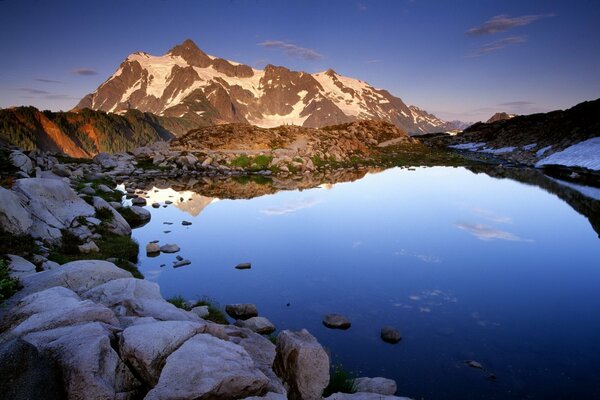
(187, 83)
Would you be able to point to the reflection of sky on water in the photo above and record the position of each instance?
(466, 266)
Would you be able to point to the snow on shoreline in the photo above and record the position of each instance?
(584, 154)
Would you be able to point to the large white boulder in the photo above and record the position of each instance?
(19, 267)
(302, 365)
(53, 206)
(205, 367)
(146, 346)
(375, 385)
(117, 224)
(79, 276)
(137, 297)
(14, 217)
(21, 161)
(90, 367)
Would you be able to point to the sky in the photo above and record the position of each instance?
(460, 60)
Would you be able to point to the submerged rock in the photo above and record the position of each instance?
(241, 310)
(336, 321)
(390, 335)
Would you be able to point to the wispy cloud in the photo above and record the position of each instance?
(374, 61)
(503, 23)
(46, 80)
(498, 45)
(428, 258)
(517, 104)
(35, 92)
(488, 233)
(85, 71)
(290, 208)
(491, 216)
(362, 7)
(292, 50)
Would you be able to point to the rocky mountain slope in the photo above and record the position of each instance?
(500, 116)
(188, 83)
(87, 132)
(569, 137)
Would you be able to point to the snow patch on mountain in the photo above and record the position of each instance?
(584, 154)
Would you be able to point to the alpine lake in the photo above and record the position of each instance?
(494, 265)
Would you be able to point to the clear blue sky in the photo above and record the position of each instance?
(458, 59)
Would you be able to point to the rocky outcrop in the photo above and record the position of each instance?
(375, 385)
(302, 365)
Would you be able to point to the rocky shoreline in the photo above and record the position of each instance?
(90, 329)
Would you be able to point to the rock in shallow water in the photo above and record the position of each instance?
(336, 321)
(169, 248)
(241, 310)
(246, 265)
(257, 324)
(390, 335)
(152, 248)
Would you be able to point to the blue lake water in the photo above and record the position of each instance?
(466, 266)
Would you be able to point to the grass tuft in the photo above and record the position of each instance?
(8, 285)
(340, 381)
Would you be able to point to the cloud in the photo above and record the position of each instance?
(361, 7)
(46, 80)
(491, 216)
(373, 61)
(61, 97)
(34, 91)
(517, 104)
(292, 50)
(498, 45)
(289, 208)
(502, 23)
(488, 233)
(85, 71)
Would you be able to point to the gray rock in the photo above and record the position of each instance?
(181, 263)
(27, 374)
(302, 365)
(155, 205)
(48, 265)
(375, 385)
(246, 265)
(336, 321)
(201, 311)
(21, 161)
(257, 324)
(89, 247)
(169, 248)
(53, 206)
(186, 223)
(90, 191)
(241, 310)
(139, 201)
(107, 161)
(146, 346)
(78, 276)
(61, 170)
(152, 248)
(117, 224)
(142, 216)
(138, 298)
(91, 369)
(104, 189)
(205, 367)
(19, 267)
(390, 335)
(14, 216)
(116, 205)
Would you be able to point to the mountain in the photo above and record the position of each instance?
(563, 137)
(84, 133)
(500, 116)
(188, 83)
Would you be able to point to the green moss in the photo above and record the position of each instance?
(17, 244)
(8, 285)
(104, 214)
(340, 381)
(258, 163)
(215, 314)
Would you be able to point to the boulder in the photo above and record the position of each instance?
(61, 170)
(152, 248)
(19, 267)
(14, 216)
(145, 347)
(181, 263)
(241, 310)
(117, 225)
(53, 206)
(200, 311)
(302, 365)
(390, 335)
(140, 216)
(137, 297)
(27, 374)
(90, 367)
(53, 308)
(89, 247)
(107, 161)
(375, 385)
(336, 321)
(21, 161)
(79, 276)
(257, 324)
(139, 201)
(169, 248)
(205, 367)
(104, 189)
